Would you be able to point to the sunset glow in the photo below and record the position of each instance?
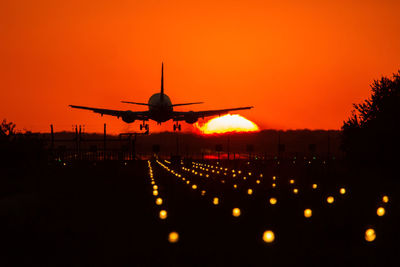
(296, 63)
(227, 123)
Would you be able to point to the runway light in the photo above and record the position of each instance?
(235, 186)
(194, 186)
(203, 192)
(295, 191)
(155, 187)
(258, 181)
(330, 199)
(216, 201)
(236, 212)
(159, 201)
(163, 214)
(268, 236)
(273, 185)
(274, 178)
(155, 193)
(380, 211)
(250, 191)
(273, 201)
(291, 181)
(314, 186)
(173, 237)
(307, 213)
(342, 191)
(385, 199)
(370, 235)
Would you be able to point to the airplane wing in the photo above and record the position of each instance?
(136, 115)
(183, 115)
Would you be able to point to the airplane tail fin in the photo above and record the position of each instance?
(162, 81)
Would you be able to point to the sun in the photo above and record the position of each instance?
(227, 123)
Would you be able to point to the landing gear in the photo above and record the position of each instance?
(177, 126)
(145, 126)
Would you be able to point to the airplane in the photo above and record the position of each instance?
(160, 109)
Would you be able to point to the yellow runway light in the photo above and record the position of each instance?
(370, 235)
(330, 199)
(250, 191)
(385, 199)
(216, 201)
(155, 187)
(268, 236)
(236, 212)
(159, 201)
(173, 237)
(163, 214)
(273, 201)
(155, 193)
(194, 186)
(380, 211)
(295, 191)
(342, 191)
(307, 213)
(314, 186)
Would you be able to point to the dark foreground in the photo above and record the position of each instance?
(104, 213)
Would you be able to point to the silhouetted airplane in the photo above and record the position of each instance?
(160, 110)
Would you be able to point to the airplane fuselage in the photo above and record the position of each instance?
(160, 107)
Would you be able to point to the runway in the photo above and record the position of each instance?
(106, 213)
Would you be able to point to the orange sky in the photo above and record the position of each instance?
(300, 65)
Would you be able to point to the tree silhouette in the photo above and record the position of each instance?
(6, 129)
(371, 134)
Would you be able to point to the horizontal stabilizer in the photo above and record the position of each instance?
(185, 104)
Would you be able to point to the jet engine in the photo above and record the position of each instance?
(128, 117)
(190, 117)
